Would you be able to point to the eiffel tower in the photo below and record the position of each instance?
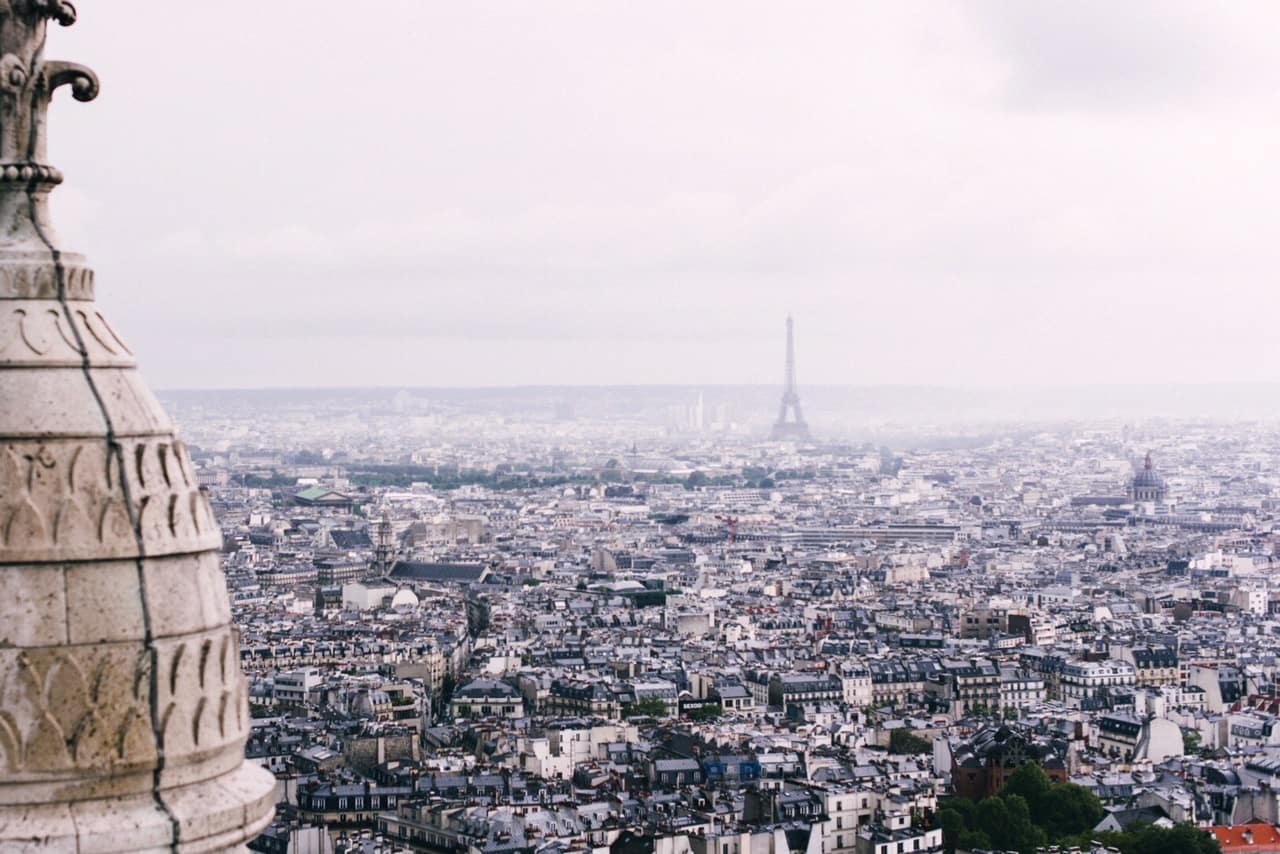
(796, 429)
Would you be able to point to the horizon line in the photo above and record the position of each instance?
(584, 386)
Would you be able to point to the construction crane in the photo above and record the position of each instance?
(730, 523)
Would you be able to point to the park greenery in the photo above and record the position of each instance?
(506, 476)
(652, 707)
(1032, 812)
(906, 743)
(708, 712)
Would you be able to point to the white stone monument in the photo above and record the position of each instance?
(123, 713)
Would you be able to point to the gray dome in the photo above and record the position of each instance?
(1147, 477)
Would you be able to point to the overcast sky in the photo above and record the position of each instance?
(284, 193)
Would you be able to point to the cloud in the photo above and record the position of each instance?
(1141, 56)
(939, 192)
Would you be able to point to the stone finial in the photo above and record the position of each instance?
(27, 84)
(123, 711)
(28, 81)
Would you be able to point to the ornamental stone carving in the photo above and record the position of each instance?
(123, 712)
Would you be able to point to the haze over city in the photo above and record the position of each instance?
(618, 193)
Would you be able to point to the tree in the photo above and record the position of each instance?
(1028, 781)
(1068, 809)
(974, 840)
(1190, 742)
(709, 712)
(906, 742)
(992, 818)
(1182, 839)
(1006, 821)
(1023, 833)
(1149, 839)
(952, 824)
(965, 807)
(653, 707)
(696, 479)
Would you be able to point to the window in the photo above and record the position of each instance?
(342, 803)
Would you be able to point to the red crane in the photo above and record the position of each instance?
(731, 523)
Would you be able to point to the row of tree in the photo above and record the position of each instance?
(656, 707)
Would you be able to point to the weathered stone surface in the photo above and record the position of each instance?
(123, 712)
(30, 275)
(92, 498)
(33, 607)
(45, 333)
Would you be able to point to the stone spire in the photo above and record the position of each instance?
(123, 712)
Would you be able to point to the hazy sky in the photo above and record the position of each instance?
(280, 192)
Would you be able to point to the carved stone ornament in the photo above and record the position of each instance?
(123, 712)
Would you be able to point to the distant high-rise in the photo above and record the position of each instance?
(790, 424)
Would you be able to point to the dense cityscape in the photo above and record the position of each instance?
(472, 517)
(661, 630)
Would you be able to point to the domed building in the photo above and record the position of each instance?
(404, 600)
(1148, 485)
